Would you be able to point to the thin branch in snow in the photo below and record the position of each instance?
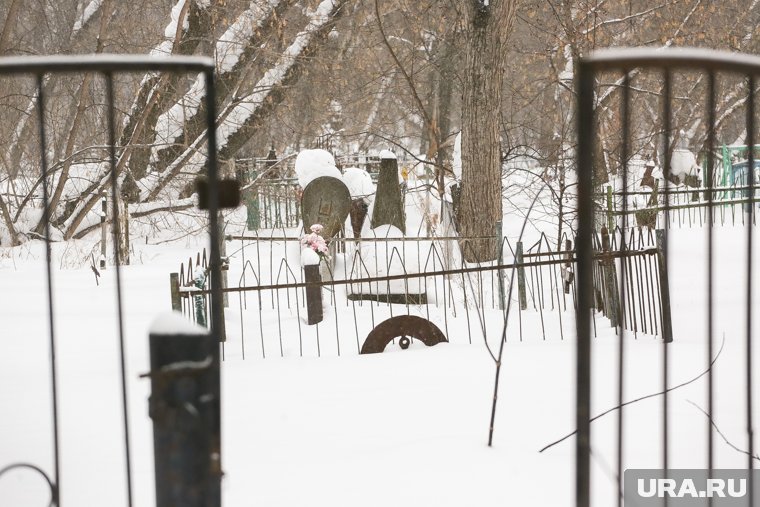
(618, 407)
(712, 423)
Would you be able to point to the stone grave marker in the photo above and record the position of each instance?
(389, 203)
(326, 201)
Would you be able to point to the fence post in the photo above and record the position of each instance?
(610, 210)
(667, 324)
(611, 299)
(500, 260)
(251, 195)
(174, 290)
(103, 230)
(313, 293)
(184, 407)
(521, 276)
(200, 301)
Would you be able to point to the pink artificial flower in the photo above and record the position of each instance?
(317, 228)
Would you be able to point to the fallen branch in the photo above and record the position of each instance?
(712, 363)
(753, 456)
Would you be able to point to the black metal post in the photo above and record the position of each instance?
(667, 325)
(182, 403)
(313, 293)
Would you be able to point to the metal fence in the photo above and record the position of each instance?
(108, 66)
(686, 207)
(627, 65)
(374, 279)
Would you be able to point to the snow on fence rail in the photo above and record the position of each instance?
(376, 279)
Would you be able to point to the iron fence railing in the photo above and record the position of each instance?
(108, 66)
(627, 64)
(378, 278)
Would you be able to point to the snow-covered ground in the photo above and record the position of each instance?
(401, 428)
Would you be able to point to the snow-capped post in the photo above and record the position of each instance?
(184, 405)
(103, 230)
(314, 250)
(174, 291)
(520, 276)
(667, 324)
(389, 204)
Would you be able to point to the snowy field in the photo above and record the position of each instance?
(402, 428)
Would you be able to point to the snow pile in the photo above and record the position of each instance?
(359, 183)
(683, 163)
(376, 259)
(173, 323)
(312, 164)
(309, 257)
(387, 155)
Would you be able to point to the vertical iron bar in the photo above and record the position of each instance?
(622, 321)
(56, 500)
(217, 310)
(667, 330)
(710, 197)
(115, 229)
(585, 86)
(750, 227)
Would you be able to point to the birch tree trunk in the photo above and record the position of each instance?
(489, 24)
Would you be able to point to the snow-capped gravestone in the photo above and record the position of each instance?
(386, 258)
(325, 201)
(389, 204)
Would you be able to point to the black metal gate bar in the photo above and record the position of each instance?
(585, 85)
(666, 112)
(750, 222)
(55, 500)
(217, 307)
(107, 65)
(622, 321)
(624, 60)
(115, 235)
(710, 253)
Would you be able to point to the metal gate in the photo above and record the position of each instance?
(627, 64)
(108, 66)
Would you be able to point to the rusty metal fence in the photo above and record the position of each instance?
(378, 278)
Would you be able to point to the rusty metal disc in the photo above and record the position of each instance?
(405, 326)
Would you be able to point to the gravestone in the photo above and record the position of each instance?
(326, 201)
(389, 204)
(359, 210)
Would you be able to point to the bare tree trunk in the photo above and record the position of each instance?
(8, 222)
(489, 25)
(9, 26)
